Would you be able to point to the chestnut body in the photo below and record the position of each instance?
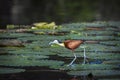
(72, 44)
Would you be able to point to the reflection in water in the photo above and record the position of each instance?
(84, 77)
(74, 78)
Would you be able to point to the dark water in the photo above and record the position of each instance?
(36, 75)
(45, 75)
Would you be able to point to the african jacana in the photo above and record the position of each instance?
(71, 45)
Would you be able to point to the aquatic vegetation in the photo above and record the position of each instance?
(10, 70)
(94, 67)
(114, 23)
(25, 61)
(113, 62)
(111, 43)
(85, 37)
(96, 72)
(10, 26)
(103, 57)
(21, 35)
(45, 25)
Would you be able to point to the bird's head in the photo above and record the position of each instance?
(56, 42)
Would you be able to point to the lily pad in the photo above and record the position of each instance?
(10, 70)
(96, 72)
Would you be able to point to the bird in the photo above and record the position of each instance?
(71, 45)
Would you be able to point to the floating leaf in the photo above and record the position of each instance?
(44, 25)
(10, 70)
(96, 72)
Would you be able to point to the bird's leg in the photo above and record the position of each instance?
(84, 57)
(75, 57)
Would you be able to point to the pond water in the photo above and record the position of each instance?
(35, 59)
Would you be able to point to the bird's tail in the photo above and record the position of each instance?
(91, 41)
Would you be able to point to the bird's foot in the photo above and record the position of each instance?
(69, 65)
(72, 65)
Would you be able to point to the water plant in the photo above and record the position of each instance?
(103, 57)
(10, 70)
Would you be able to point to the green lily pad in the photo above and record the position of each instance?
(96, 72)
(10, 70)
